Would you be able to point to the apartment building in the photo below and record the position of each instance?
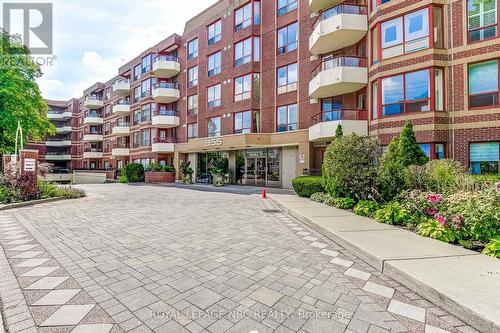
(263, 85)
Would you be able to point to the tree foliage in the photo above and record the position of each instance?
(20, 97)
(410, 152)
(338, 131)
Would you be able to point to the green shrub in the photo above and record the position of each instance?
(440, 176)
(366, 208)
(134, 172)
(350, 166)
(70, 192)
(123, 179)
(431, 228)
(493, 248)
(339, 132)
(8, 194)
(330, 201)
(486, 180)
(392, 175)
(393, 213)
(305, 186)
(155, 167)
(318, 197)
(344, 203)
(409, 150)
(47, 190)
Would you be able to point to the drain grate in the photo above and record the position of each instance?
(270, 211)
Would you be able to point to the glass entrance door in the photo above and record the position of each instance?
(260, 171)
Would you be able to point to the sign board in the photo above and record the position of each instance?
(302, 158)
(213, 142)
(29, 164)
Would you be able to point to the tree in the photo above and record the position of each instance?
(339, 132)
(20, 97)
(392, 174)
(410, 152)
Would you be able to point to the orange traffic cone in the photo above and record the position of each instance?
(264, 194)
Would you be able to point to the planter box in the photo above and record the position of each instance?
(159, 177)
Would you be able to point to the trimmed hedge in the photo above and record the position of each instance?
(305, 186)
(134, 172)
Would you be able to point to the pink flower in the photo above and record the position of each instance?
(441, 219)
(434, 198)
(431, 211)
(459, 221)
(497, 186)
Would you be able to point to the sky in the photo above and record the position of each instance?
(93, 38)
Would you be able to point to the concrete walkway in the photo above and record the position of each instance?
(466, 283)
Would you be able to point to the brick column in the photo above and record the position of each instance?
(6, 159)
(28, 159)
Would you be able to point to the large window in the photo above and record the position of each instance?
(243, 15)
(192, 76)
(146, 63)
(137, 72)
(146, 137)
(243, 122)
(214, 32)
(244, 50)
(412, 92)
(287, 78)
(192, 131)
(331, 108)
(214, 63)
(409, 33)
(242, 87)
(137, 94)
(192, 49)
(146, 113)
(286, 6)
(287, 38)
(146, 86)
(213, 127)
(434, 151)
(214, 96)
(482, 19)
(483, 84)
(192, 105)
(286, 118)
(484, 158)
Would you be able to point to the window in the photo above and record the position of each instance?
(412, 92)
(137, 94)
(146, 64)
(483, 84)
(137, 117)
(375, 49)
(434, 151)
(243, 15)
(192, 105)
(137, 72)
(214, 64)
(484, 158)
(242, 87)
(214, 95)
(287, 78)
(145, 137)
(481, 19)
(287, 38)
(192, 131)
(331, 108)
(243, 51)
(214, 32)
(286, 6)
(213, 126)
(192, 77)
(287, 118)
(375, 100)
(146, 88)
(192, 49)
(243, 122)
(405, 34)
(145, 113)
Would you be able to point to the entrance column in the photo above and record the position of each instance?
(232, 166)
(177, 164)
(303, 158)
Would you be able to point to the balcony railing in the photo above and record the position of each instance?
(163, 57)
(123, 101)
(58, 153)
(93, 132)
(93, 150)
(93, 98)
(342, 8)
(165, 140)
(167, 85)
(340, 114)
(122, 124)
(166, 112)
(119, 145)
(341, 61)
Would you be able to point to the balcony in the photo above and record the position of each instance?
(122, 107)
(121, 129)
(93, 119)
(93, 137)
(120, 150)
(92, 153)
(338, 27)
(338, 76)
(52, 115)
(53, 156)
(58, 143)
(326, 122)
(93, 102)
(166, 119)
(163, 145)
(317, 5)
(165, 93)
(63, 129)
(122, 87)
(166, 66)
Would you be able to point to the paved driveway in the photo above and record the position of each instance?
(144, 258)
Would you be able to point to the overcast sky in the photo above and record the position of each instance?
(93, 38)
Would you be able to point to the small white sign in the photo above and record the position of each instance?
(29, 164)
(302, 158)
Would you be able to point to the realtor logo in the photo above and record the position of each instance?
(31, 21)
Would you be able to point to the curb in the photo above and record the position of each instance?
(30, 203)
(462, 312)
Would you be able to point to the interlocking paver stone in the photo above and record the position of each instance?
(57, 297)
(33, 262)
(92, 328)
(407, 310)
(204, 298)
(68, 315)
(40, 271)
(266, 296)
(379, 289)
(47, 282)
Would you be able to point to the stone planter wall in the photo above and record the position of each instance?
(159, 177)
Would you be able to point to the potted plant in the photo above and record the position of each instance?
(187, 172)
(219, 172)
(157, 173)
